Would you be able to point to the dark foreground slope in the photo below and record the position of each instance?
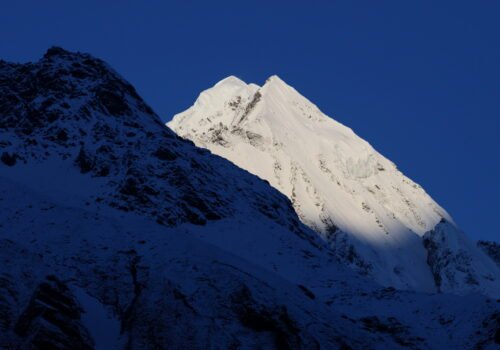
(115, 233)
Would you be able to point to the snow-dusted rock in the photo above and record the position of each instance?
(492, 249)
(455, 269)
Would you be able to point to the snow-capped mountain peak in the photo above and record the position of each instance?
(117, 234)
(373, 216)
(231, 80)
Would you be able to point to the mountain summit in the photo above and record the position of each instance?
(376, 220)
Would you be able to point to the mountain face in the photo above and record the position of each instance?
(117, 234)
(80, 148)
(373, 217)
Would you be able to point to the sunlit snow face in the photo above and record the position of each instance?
(335, 180)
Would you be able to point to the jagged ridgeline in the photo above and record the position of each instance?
(74, 107)
(117, 234)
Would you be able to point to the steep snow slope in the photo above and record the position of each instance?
(105, 213)
(167, 288)
(373, 216)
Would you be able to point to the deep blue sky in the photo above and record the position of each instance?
(419, 80)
